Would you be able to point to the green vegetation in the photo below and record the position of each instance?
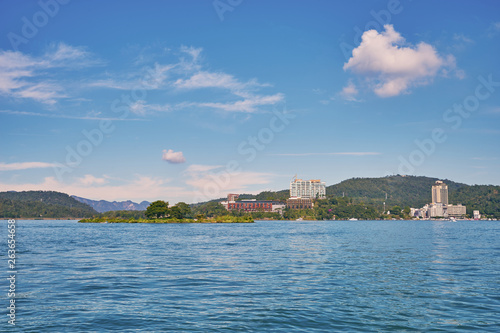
(219, 219)
(42, 204)
(160, 212)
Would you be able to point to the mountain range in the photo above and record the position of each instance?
(397, 190)
(105, 206)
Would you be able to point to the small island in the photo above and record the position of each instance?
(160, 212)
(219, 219)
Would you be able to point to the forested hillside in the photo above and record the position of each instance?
(403, 191)
(42, 204)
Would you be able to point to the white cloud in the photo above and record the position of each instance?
(205, 79)
(248, 105)
(140, 107)
(349, 91)
(173, 157)
(89, 116)
(494, 29)
(215, 181)
(24, 166)
(22, 76)
(139, 189)
(89, 180)
(462, 38)
(392, 67)
(187, 75)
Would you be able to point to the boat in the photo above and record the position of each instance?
(299, 219)
(353, 219)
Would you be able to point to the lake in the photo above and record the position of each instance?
(269, 276)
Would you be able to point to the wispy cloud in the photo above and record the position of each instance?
(64, 116)
(141, 107)
(349, 92)
(23, 76)
(139, 188)
(494, 29)
(393, 67)
(250, 104)
(215, 181)
(24, 166)
(186, 76)
(328, 154)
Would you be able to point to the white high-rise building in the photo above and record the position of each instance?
(440, 193)
(312, 189)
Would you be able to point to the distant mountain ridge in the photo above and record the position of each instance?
(42, 204)
(105, 206)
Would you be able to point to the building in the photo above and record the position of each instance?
(313, 188)
(440, 206)
(299, 203)
(440, 193)
(252, 205)
(456, 210)
(476, 215)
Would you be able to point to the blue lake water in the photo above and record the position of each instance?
(364, 276)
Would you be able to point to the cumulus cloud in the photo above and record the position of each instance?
(173, 157)
(391, 66)
(89, 180)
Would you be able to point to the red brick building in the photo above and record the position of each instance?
(251, 206)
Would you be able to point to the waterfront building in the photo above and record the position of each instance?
(313, 188)
(456, 210)
(252, 205)
(299, 203)
(440, 193)
(440, 207)
(476, 215)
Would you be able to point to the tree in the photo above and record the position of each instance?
(176, 213)
(184, 209)
(157, 209)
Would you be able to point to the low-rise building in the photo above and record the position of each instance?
(299, 203)
(252, 205)
(456, 210)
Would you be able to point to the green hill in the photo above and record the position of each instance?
(411, 191)
(404, 191)
(42, 204)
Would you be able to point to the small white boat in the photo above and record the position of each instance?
(299, 219)
(353, 219)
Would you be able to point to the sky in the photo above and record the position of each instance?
(191, 100)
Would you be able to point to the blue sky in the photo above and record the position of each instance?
(191, 100)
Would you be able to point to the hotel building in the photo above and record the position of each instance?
(311, 189)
